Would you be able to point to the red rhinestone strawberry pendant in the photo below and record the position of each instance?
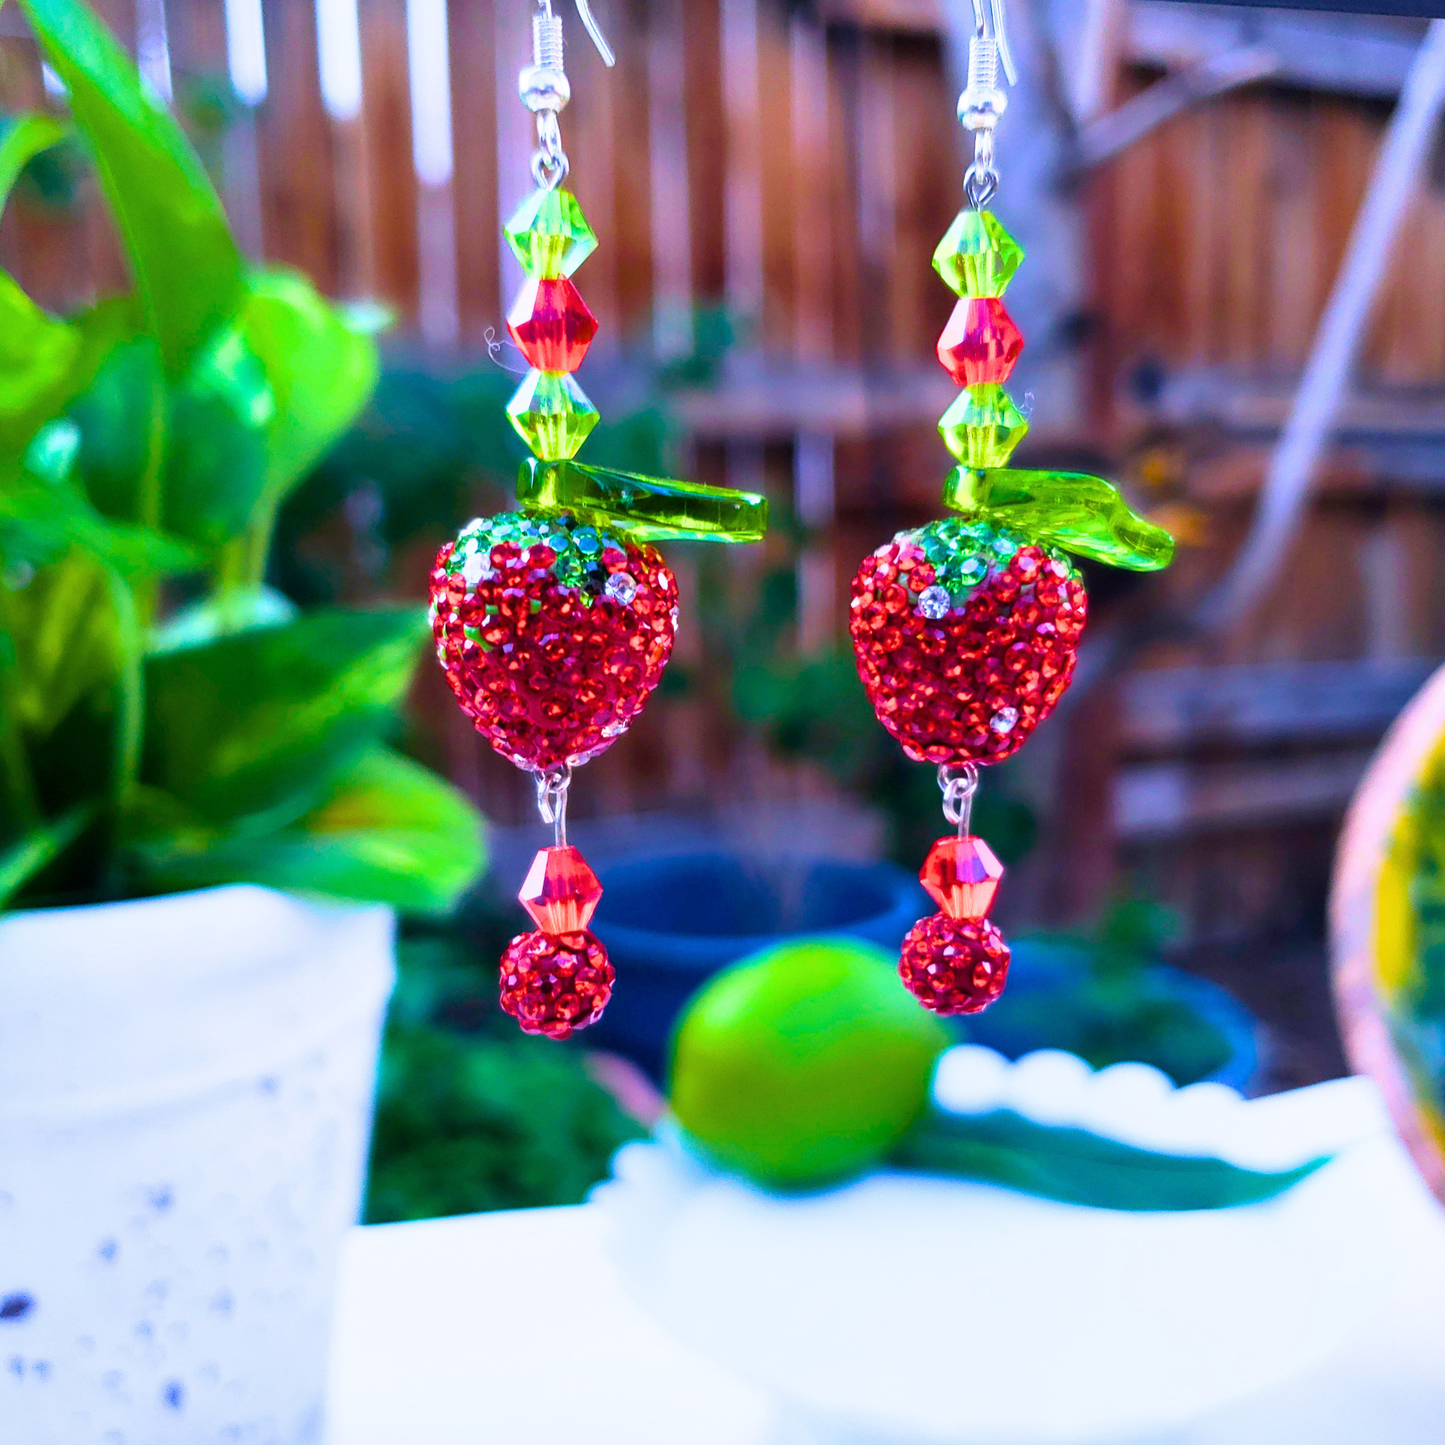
(965, 637)
(966, 631)
(552, 633)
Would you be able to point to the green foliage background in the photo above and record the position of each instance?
(167, 720)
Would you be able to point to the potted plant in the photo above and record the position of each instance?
(203, 829)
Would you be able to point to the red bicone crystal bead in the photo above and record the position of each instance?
(954, 965)
(961, 875)
(552, 325)
(561, 892)
(980, 344)
(553, 983)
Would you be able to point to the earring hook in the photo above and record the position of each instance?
(982, 15)
(590, 25)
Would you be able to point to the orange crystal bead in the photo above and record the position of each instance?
(561, 892)
(962, 875)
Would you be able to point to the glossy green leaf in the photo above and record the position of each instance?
(1074, 1166)
(216, 459)
(186, 265)
(256, 722)
(223, 615)
(38, 848)
(1082, 514)
(38, 356)
(387, 831)
(22, 138)
(42, 520)
(321, 364)
(117, 414)
(63, 633)
(651, 509)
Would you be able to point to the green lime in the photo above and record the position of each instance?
(804, 1063)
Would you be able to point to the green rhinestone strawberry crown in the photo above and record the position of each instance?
(964, 551)
(582, 551)
(1082, 514)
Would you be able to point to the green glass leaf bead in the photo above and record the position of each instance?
(977, 257)
(983, 426)
(1082, 514)
(650, 509)
(550, 235)
(552, 414)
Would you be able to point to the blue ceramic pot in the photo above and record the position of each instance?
(670, 923)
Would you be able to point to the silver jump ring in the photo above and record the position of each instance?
(552, 787)
(958, 785)
(980, 184)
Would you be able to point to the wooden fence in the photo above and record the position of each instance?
(796, 164)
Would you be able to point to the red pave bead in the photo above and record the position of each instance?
(553, 983)
(980, 343)
(965, 673)
(550, 667)
(552, 325)
(561, 892)
(954, 965)
(960, 874)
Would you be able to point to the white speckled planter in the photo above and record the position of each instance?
(185, 1099)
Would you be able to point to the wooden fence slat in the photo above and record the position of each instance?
(298, 217)
(391, 182)
(670, 122)
(474, 183)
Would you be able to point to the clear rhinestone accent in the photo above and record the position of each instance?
(621, 588)
(1002, 722)
(934, 603)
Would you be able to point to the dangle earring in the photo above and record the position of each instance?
(553, 623)
(965, 631)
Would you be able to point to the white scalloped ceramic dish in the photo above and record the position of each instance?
(905, 1310)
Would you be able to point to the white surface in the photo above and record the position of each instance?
(906, 1309)
(185, 1089)
(514, 1329)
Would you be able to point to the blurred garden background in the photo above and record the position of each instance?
(768, 181)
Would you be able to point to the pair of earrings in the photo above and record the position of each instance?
(553, 623)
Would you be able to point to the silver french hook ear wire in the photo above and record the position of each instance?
(545, 89)
(983, 101)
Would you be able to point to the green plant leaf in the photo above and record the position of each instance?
(41, 846)
(204, 621)
(22, 138)
(38, 356)
(257, 722)
(387, 831)
(42, 520)
(216, 460)
(64, 637)
(1074, 1166)
(321, 364)
(186, 264)
(115, 413)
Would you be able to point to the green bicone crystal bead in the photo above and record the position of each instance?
(650, 509)
(551, 414)
(977, 257)
(1082, 514)
(983, 426)
(550, 235)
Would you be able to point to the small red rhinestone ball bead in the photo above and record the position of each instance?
(554, 983)
(954, 965)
